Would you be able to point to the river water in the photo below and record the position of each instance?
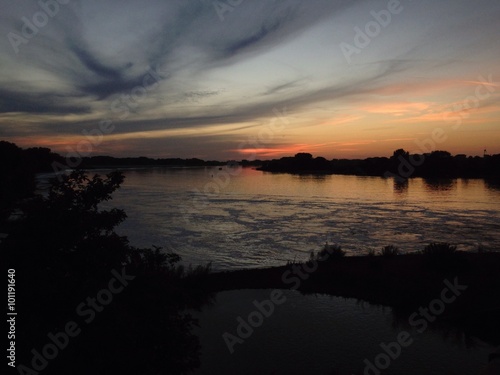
(238, 218)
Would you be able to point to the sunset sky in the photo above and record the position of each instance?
(259, 78)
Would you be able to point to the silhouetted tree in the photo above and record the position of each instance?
(17, 174)
(303, 156)
(400, 152)
(64, 248)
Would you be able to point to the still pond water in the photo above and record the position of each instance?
(319, 334)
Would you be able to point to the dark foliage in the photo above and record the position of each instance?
(17, 173)
(442, 256)
(389, 251)
(64, 249)
(329, 253)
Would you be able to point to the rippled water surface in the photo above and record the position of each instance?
(247, 218)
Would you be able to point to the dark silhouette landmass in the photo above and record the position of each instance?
(401, 165)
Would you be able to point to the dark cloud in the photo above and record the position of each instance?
(38, 103)
(92, 63)
(197, 96)
(258, 36)
(79, 63)
(248, 112)
(103, 81)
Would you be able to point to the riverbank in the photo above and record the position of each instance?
(403, 282)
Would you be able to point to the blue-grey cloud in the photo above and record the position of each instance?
(42, 103)
(248, 41)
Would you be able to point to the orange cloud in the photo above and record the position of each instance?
(423, 87)
(395, 108)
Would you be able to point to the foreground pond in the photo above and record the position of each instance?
(319, 334)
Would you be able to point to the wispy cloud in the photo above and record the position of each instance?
(222, 80)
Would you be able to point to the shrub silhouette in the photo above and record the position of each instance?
(389, 251)
(441, 255)
(329, 253)
(439, 250)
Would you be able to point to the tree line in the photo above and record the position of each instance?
(401, 165)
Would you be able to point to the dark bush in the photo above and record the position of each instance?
(441, 255)
(330, 252)
(389, 251)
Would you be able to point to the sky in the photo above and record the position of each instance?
(246, 79)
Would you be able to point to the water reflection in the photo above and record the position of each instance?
(474, 330)
(492, 184)
(440, 184)
(400, 187)
(314, 177)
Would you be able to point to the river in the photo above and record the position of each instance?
(238, 218)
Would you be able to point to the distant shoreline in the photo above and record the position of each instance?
(401, 166)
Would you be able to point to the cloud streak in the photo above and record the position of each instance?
(227, 77)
